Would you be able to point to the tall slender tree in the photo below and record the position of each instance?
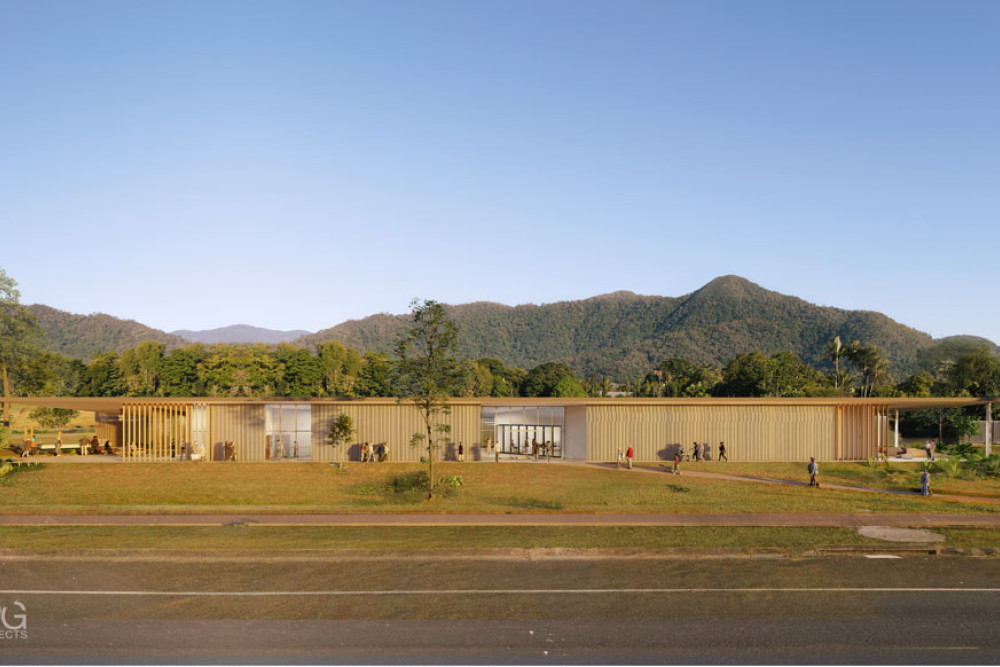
(18, 335)
(427, 373)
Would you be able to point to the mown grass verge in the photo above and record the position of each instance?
(269, 538)
(200, 488)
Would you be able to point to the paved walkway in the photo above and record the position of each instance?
(828, 519)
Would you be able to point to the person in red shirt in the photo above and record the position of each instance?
(629, 453)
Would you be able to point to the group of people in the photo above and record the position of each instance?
(377, 453)
(543, 449)
(703, 452)
(626, 457)
(92, 446)
(280, 451)
(925, 477)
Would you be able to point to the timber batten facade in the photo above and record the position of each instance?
(593, 429)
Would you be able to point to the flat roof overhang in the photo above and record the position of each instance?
(114, 404)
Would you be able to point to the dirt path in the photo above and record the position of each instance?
(828, 519)
(788, 482)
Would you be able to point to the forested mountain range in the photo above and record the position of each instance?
(83, 336)
(623, 334)
(240, 333)
(619, 335)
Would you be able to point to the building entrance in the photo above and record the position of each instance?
(523, 438)
(516, 430)
(289, 432)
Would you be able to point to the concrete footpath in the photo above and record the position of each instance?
(821, 519)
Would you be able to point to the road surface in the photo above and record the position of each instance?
(328, 607)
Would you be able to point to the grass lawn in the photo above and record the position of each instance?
(487, 488)
(284, 538)
(903, 476)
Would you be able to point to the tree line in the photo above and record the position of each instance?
(334, 370)
(331, 369)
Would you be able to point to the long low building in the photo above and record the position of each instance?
(490, 429)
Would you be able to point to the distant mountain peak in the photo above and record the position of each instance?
(240, 333)
(734, 286)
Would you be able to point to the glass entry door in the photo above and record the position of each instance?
(522, 439)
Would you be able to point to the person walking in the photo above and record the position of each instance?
(925, 483)
(813, 471)
(722, 452)
(461, 453)
(697, 451)
(677, 463)
(629, 453)
(928, 449)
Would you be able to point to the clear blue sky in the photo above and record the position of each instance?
(295, 164)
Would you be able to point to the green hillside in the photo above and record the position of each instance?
(619, 335)
(83, 336)
(623, 334)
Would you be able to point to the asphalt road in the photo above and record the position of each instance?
(323, 607)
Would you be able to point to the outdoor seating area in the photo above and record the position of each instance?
(83, 447)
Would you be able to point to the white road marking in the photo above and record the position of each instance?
(881, 556)
(495, 591)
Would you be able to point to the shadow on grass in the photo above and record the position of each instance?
(514, 502)
(404, 488)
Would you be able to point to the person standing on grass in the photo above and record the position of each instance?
(697, 451)
(677, 463)
(925, 483)
(629, 453)
(461, 453)
(722, 452)
(813, 471)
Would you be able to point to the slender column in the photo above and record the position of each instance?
(838, 422)
(161, 431)
(211, 434)
(896, 439)
(172, 443)
(154, 432)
